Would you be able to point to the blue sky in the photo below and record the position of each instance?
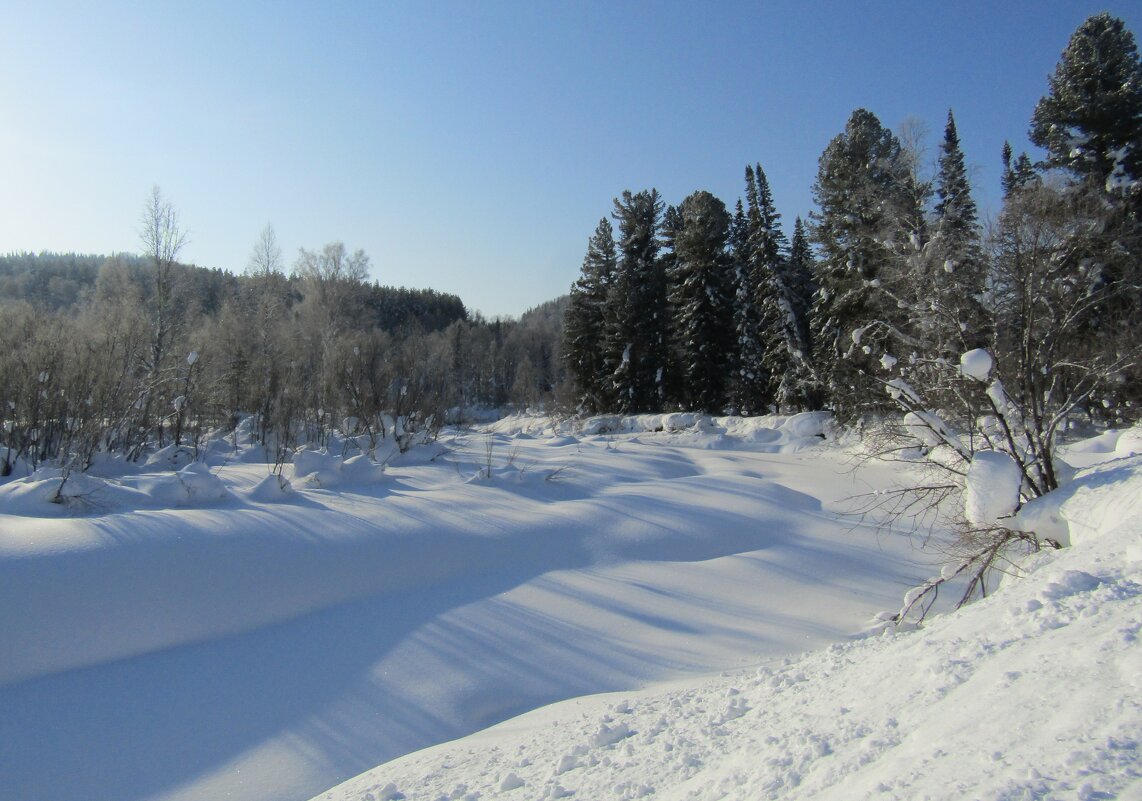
(472, 147)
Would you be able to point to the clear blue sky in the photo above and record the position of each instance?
(472, 147)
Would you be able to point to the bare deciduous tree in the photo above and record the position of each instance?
(266, 257)
(162, 237)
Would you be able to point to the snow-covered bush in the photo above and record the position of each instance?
(985, 454)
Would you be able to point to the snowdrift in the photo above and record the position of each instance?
(1035, 692)
(213, 629)
(767, 434)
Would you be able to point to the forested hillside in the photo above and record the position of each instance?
(123, 353)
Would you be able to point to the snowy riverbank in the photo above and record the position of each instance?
(199, 635)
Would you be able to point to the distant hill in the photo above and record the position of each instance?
(63, 281)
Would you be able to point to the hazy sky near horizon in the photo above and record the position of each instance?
(472, 147)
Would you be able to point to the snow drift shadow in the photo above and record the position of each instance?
(184, 711)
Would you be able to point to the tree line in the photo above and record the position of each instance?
(865, 307)
(125, 354)
(893, 275)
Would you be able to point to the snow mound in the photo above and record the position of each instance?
(1071, 582)
(317, 468)
(560, 440)
(808, 424)
(767, 434)
(602, 424)
(193, 485)
(992, 487)
(1106, 442)
(927, 428)
(977, 364)
(360, 469)
(1043, 517)
(1129, 442)
(679, 421)
(171, 457)
(1101, 500)
(271, 489)
(46, 493)
(324, 470)
(52, 492)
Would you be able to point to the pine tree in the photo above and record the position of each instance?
(860, 193)
(701, 299)
(748, 390)
(1090, 122)
(637, 335)
(584, 321)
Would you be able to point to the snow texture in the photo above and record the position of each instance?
(218, 631)
(1033, 692)
(991, 490)
(927, 428)
(977, 364)
(903, 392)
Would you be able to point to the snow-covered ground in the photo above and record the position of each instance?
(1032, 693)
(204, 635)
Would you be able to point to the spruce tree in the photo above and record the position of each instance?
(701, 300)
(671, 389)
(959, 270)
(803, 392)
(780, 313)
(748, 380)
(636, 316)
(584, 321)
(801, 268)
(861, 192)
(1017, 173)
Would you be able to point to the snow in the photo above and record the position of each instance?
(991, 489)
(1129, 442)
(768, 434)
(997, 394)
(1034, 692)
(901, 391)
(319, 468)
(977, 364)
(927, 428)
(220, 631)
